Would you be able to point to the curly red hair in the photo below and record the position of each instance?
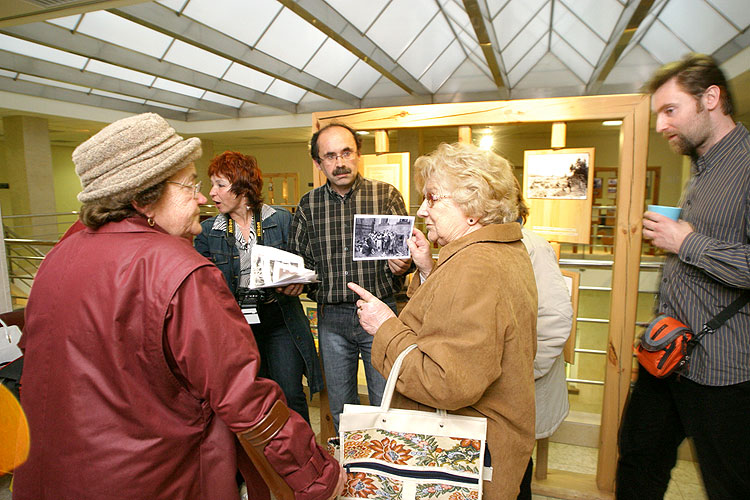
(244, 174)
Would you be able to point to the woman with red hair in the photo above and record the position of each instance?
(283, 333)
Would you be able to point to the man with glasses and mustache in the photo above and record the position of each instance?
(322, 232)
(707, 268)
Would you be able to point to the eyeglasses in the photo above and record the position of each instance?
(195, 187)
(431, 198)
(332, 157)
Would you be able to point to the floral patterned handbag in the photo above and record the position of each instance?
(411, 455)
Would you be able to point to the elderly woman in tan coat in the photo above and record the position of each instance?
(472, 313)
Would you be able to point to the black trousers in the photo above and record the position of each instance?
(525, 491)
(661, 413)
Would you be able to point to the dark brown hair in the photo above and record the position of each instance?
(244, 174)
(116, 208)
(694, 74)
(314, 150)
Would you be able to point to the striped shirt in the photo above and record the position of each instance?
(244, 248)
(713, 264)
(323, 233)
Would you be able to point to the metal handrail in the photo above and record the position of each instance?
(24, 255)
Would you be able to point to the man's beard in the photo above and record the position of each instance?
(341, 171)
(684, 146)
(688, 143)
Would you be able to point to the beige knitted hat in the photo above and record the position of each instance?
(131, 155)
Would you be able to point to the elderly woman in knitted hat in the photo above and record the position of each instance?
(134, 384)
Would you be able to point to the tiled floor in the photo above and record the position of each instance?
(685, 485)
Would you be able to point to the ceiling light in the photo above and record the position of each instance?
(486, 142)
(612, 123)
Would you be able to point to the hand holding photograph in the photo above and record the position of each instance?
(382, 237)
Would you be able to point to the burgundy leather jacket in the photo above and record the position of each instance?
(139, 368)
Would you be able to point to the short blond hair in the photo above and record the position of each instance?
(481, 182)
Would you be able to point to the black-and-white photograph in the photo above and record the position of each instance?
(382, 236)
(558, 175)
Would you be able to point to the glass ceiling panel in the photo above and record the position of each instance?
(360, 14)
(179, 88)
(531, 34)
(446, 64)
(360, 79)
(663, 44)
(114, 29)
(222, 99)
(18, 46)
(331, 62)
(173, 4)
(67, 22)
(283, 90)
(737, 12)
(427, 47)
(480, 62)
(570, 58)
(528, 62)
(247, 22)
(697, 24)
(458, 15)
(53, 83)
(248, 77)
(197, 59)
(494, 6)
(291, 39)
(166, 106)
(600, 15)
(548, 69)
(644, 26)
(637, 66)
(468, 42)
(400, 24)
(114, 95)
(129, 75)
(467, 78)
(577, 34)
(516, 14)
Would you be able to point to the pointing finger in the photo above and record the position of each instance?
(367, 296)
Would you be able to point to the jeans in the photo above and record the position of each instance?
(280, 359)
(661, 413)
(342, 342)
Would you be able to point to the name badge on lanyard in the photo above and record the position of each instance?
(251, 314)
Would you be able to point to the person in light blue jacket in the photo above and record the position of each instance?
(283, 335)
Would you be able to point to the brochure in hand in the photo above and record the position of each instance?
(271, 267)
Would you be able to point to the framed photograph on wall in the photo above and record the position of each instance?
(558, 186)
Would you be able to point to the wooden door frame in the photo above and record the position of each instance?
(634, 111)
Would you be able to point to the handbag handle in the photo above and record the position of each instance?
(5, 330)
(390, 384)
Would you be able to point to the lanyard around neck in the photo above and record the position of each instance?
(258, 228)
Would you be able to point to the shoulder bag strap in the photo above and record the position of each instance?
(729, 311)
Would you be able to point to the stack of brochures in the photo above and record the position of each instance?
(271, 267)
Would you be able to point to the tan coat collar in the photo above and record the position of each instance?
(493, 233)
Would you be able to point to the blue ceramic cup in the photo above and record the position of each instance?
(671, 212)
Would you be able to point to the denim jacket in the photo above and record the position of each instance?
(214, 245)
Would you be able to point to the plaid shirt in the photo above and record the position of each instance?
(323, 233)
